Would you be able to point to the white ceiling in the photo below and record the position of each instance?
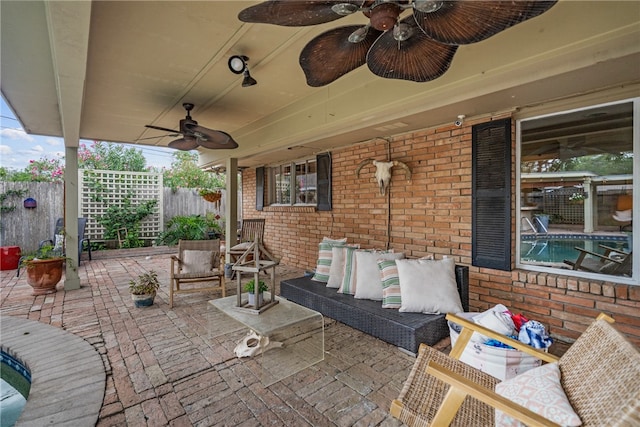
(104, 69)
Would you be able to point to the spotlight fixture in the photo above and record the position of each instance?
(238, 65)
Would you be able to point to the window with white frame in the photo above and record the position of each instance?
(293, 183)
(576, 181)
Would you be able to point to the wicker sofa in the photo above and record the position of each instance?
(405, 330)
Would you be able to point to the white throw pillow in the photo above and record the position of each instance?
(540, 391)
(196, 261)
(337, 241)
(368, 281)
(336, 270)
(428, 286)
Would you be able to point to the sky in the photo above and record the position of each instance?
(17, 148)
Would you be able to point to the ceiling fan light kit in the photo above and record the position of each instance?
(417, 47)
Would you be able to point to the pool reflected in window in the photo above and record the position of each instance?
(576, 188)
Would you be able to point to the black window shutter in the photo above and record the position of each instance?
(323, 163)
(259, 188)
(491, 189)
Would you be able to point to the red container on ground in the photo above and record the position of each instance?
(9, 257)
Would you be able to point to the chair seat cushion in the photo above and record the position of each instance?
(196, 261)
(241, 246)
(540, 391)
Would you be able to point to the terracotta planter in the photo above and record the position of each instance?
(44, 274)
(144, 300)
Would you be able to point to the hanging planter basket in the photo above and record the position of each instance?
(212, 197)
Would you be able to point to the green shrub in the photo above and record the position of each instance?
(190, 227)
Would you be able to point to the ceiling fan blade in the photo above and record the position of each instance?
(293, 13)
(418, 58)
(331, 55)
(163, 129)
(464, 22)
(222, 140)
(209, 138)
(173, 135)
(185, 144)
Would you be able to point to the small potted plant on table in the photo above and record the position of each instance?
(250, 288)
(143, 289)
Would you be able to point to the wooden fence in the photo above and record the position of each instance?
(27, 227)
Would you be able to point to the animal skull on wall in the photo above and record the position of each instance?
(383, 172)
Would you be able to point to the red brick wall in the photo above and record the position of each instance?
(431, 214)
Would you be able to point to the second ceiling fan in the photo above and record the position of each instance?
(417, 47)
(194, 135)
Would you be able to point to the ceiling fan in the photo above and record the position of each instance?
(418, 47)
(194, 135)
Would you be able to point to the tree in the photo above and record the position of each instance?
(185, 173)
(101, 155)
(110, 156)
(46, 170)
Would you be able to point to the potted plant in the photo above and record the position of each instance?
(143, 289)
(250, 287)
(210, 195)
(44, 269)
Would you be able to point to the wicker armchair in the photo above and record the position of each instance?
(600, 376)
(197, 268)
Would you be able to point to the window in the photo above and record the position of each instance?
(293, 183)
(576, 180)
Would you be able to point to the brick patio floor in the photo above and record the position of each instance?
(163, 368)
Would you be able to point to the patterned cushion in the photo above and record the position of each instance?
(390, 283)
(428, 286)
(540, 391)
(348, 285)
(59, 243)
(368, 282)
(325, 255)
(196, 261)
(336, 271)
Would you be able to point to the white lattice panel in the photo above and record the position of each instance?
(99, 189)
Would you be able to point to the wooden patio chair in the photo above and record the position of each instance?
(600, 375)
(251, 228)
(198, 267)
(612, 261)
